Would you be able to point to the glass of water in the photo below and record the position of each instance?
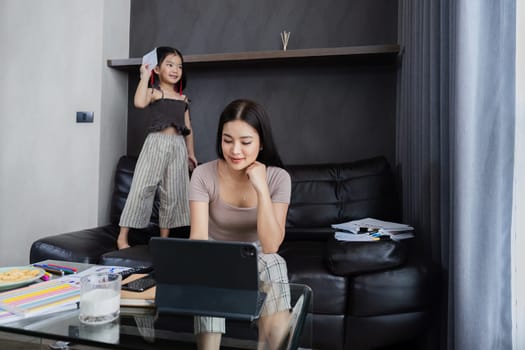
(99, 298)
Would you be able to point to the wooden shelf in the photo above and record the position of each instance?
(335, 53)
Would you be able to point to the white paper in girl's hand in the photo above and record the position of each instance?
(150, 59)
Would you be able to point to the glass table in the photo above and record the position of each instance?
(145, 328)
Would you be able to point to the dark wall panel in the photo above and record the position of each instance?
(322, 111)
(207, 26)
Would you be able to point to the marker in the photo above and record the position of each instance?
(55, 270)
(46, 276)
(51, 268)
(63, 267)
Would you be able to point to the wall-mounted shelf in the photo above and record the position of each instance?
(334, 53)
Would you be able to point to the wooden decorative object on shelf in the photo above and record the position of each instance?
(285, 36)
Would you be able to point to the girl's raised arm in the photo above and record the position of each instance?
(143, 94)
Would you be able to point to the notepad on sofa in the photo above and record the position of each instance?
(354, 226)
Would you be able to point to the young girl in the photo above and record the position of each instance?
(163, 160)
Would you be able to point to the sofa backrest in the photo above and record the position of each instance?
(322, 194)
(326, 194)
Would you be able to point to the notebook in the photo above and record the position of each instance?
(206, 278)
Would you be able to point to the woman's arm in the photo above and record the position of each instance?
(270, 226)
(199, 212)
(271, 217)
(143, 94)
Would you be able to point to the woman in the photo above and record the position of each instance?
(244, 196)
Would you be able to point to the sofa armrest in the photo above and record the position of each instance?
(353, 258)
(84, 246)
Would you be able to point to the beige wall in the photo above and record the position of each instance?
(55, 174)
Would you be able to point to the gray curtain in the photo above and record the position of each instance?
(455, 147)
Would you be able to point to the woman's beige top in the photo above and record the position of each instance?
(227, 222)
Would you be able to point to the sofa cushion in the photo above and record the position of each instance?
(326, 194)
(305, 261)
(324, 332)
(395, 328)
(351, 258)
(135, 256)
(308, 233)
(402, 290)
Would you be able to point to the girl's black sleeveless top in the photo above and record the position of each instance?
(164, 113)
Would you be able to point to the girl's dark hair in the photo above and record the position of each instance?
(162, 53)
(255, 115)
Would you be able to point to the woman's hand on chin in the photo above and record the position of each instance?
(257, 174)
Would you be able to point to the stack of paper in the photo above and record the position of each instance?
(150, 59)
(38, 299)
(46, 297)
(352, 237)
(362, 229)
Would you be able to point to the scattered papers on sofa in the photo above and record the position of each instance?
(369, 229)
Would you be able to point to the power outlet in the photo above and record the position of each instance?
(85, 117)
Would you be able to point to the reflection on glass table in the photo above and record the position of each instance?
(145, 328)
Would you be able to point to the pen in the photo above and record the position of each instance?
(56, 267)
(63, 267)
(378, 236)
(55, 270)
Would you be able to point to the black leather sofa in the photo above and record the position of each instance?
(366, 295)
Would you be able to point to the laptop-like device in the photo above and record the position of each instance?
(206, 278)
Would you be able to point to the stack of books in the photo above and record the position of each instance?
(369, 229)
(38, 299)
(60, 294)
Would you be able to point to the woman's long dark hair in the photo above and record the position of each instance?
(255, 115)
(162, 52)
